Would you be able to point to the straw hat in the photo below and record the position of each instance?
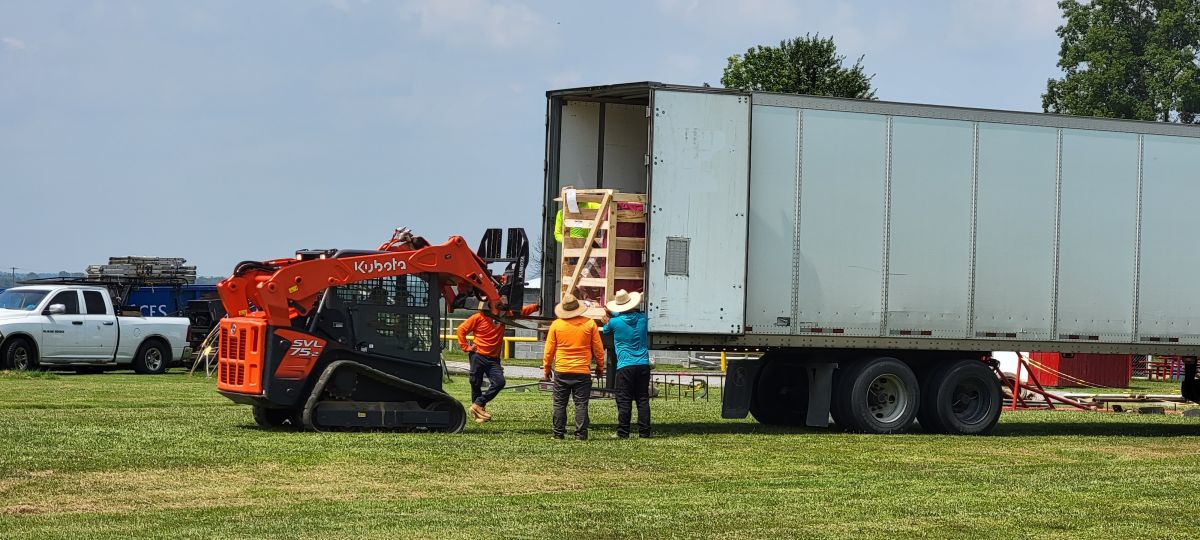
(569, 307)
(624, 301)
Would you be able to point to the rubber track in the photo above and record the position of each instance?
(410, 388)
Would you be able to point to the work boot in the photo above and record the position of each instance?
(479, 413)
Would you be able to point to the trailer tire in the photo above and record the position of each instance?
(276, 418)
(152, 358)
(961, 398)
(879, 396)
(780, 394)
(19, 354)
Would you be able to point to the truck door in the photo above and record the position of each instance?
(699, 188)
(100, 327)
(62, 334)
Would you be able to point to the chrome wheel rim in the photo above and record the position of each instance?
(21, 358)
(887, 398)
(153, 359)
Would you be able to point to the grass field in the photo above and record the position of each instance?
(117, 456)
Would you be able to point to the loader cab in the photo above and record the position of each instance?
(686, 150)
(393, 317)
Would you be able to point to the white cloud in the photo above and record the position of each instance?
(12, 43)
(502, 25)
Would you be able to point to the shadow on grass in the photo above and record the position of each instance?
(672, 429)
(1096, 429)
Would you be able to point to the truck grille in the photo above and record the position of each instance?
(239, 355)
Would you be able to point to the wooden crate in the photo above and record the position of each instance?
(616, 233)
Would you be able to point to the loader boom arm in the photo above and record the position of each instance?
(283, 289)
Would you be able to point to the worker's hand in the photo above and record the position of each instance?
(604, 318)
(546, 375)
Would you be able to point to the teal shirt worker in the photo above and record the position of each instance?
(630, 338)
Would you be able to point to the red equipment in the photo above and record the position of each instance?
(351, 338)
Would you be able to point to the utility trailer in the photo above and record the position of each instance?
(877, 252)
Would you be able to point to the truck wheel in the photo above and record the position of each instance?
(151, 358)
(780, 394)
(962, 398)
(19, 354)
(276, 418)
(878, 396)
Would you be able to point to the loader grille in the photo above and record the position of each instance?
(239, 355)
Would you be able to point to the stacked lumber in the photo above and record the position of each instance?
(149, 269)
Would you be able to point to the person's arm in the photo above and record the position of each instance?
(607, 328)
(548, 351)
(463, 329)
(530, 309)
(598, 353)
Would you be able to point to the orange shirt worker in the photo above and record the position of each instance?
(572, 343)
(484, 356)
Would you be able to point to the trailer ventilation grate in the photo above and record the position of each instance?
(677, 256)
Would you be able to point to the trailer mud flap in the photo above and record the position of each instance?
(739, 388)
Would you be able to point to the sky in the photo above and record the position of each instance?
(223, 131)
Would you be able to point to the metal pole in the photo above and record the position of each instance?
(722, 361)
(1017, 384)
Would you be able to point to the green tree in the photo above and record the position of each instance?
(1132, 59)
(805, 65)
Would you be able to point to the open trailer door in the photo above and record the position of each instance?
(699, 188)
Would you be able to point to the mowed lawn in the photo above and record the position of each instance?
(118, 456)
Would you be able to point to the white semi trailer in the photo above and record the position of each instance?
(876, 251)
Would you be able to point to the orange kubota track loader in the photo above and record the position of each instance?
(352, 338)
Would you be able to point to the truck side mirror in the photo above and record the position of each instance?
(55, 309)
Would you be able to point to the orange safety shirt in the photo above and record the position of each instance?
(489, 334)
(570, 346)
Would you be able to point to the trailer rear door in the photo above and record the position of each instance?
(699, 188)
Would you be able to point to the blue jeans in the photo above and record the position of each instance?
(485, 366)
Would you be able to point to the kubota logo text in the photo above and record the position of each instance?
(371, 267)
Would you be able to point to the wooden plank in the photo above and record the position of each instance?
(628, 242)
(631, 216)
(628, 272)
(591, 282)
(583, 213)
(587, 244)
(582, 224)
(579, 252)
(580, 196)
(610, 249)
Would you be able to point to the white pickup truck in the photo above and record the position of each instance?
(75, 326)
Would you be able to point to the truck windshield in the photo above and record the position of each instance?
(24, 300)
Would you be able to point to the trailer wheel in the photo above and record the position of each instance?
(276, 418)
(780, 394)
(878, 396)
(962, 398)
(151, 358)
(19, 354)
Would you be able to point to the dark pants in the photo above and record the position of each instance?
(579, 387)
(633, 385)
(490, 367)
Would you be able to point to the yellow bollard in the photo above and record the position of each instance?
(722, 361)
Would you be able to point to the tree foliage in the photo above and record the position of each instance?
(1134, 59)
(804, 65)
